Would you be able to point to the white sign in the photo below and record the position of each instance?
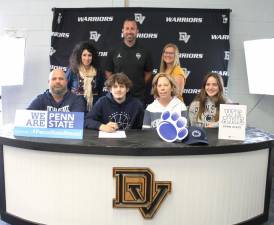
(8, 46)
(232, 122)
(49, 124)
(259, 65)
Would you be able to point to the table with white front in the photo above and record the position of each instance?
(70, 182)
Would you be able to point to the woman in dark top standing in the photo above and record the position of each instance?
(84, 77)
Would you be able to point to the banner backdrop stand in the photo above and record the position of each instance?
(202, 36)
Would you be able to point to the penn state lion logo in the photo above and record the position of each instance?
(136, 188)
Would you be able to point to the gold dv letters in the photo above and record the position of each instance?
(136, 188)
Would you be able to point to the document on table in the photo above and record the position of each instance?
(116, 134)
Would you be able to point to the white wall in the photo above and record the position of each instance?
(250, 19)
(33, 19)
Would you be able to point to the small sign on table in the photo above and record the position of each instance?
(49, 124)
(232, 122)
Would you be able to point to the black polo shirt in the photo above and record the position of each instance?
(132, 61)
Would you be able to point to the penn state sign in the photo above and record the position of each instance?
(49, 124)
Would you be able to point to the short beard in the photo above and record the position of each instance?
(58, 92)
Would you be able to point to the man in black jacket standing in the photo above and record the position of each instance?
(131, 58)
(57, 97)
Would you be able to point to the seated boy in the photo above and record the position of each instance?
(116, 110)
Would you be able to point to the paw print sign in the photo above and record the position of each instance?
(172, 127)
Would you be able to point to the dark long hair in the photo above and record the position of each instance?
(75, 58)
(218, 99)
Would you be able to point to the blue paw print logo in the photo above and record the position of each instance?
(172, 127)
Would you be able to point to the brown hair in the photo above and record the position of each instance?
(154, 90)
(132, 20)
(218, 99)
(119, 78)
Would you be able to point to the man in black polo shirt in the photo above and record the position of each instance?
(132, 59)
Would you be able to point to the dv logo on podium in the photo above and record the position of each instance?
(136, 188)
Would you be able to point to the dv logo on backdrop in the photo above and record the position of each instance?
(183, 36)
(139, 18)
(136, 188)
(94, 35)
(187, 72)
(52, 51)
(227, 55)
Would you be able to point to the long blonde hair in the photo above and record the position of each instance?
(176, 62)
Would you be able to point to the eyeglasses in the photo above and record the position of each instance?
(169, 53)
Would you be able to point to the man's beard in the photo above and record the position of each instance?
(130, 38)
(58, 91)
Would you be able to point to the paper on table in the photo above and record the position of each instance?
(116, 134)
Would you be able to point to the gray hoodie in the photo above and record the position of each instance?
(207, 116)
